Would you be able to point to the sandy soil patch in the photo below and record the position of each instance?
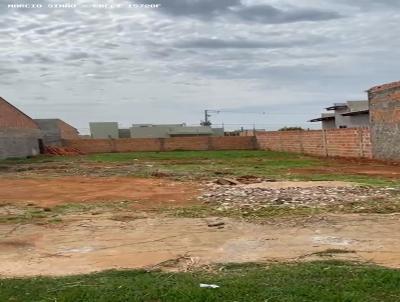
(86, 243)
(54, 191)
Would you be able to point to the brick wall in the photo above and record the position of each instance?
(67, 131)
(11, 117)
(19, 134)
(162, 144)
(384, 103)
(353, 142)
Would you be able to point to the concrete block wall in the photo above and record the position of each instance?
(50, 131)
(54, 130)
(19, 142)
(384, 103)
(352, 142)
(162, 144)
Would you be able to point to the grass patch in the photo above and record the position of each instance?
(269, 212)
(185, 155)
(315, 281)
(284, 211)
(206, 164)
(370, 207)
(203, 165)
(28, 216)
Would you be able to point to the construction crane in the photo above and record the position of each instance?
(207, 115)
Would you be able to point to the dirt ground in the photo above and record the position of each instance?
(60, 190)
(85, 244)
(137, 237)
(354, 167)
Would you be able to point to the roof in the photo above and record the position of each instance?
(384, 86)
(158, 125)
(324, 117)
(336, 106)
(191, 130)
(23, 113)
(351, 105)
(53, 120)
(356, 112)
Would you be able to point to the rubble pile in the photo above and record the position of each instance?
(54, 150)
(242, 195)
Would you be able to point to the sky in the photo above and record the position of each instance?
(271, 63)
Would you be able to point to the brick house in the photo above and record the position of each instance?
(20, 136)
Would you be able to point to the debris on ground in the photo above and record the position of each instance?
(291, 194)
(216, 224)
(227, 181)
(250, 179)
(160, 174)
(54, 150)
(202, 285)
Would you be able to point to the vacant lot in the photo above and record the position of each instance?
(188, 214)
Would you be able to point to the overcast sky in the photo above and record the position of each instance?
(289, 58)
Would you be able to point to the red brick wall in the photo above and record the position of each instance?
(354, 142)
(186, 143)
(384, 107)
(233, 143)
(67, 131)
(163, 144)
(10, 117)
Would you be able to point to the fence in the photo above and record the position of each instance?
(352, 142)
(163, 144)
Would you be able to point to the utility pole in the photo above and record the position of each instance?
(207, 115)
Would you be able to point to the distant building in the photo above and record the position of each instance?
(20, 136)
(55, 130)
(153, 131)
(101, 130)
(172, 130)
(104, 130)
(124, 133)
(351, 114)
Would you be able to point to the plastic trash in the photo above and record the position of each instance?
(208, 285)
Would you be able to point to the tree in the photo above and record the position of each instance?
(291, 129)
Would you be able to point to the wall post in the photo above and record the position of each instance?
(325, 143)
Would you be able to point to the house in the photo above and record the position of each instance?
(55, 130)
(20, 136)
(351, 114)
